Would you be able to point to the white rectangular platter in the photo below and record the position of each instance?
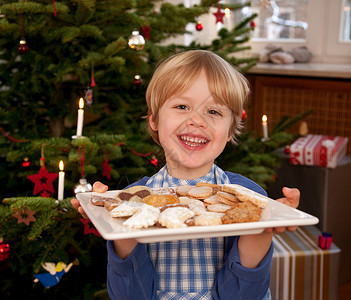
(275, 214)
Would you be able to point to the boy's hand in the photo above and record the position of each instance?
(97, 187)
(292, 199)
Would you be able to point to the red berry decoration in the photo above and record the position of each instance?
(137, 81)
(4, 250)
(252, 24)
(23, 47)
(243, 115)
(199, 26)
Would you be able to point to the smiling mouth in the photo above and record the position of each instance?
(193, 141)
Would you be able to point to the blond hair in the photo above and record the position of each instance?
(227, 86)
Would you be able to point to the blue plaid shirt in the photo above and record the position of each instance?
(186, 268)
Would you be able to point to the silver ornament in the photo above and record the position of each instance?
(83, 186)
(136, 41)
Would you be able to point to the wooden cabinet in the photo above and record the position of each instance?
(278, 95)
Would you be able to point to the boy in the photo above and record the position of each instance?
(195, 100)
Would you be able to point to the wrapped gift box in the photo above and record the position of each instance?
(318, 150)
(301, 270)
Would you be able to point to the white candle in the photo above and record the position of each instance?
(80, 117)
(265, 127)
(61, 182)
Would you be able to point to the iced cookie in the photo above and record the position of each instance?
(160, 200)
(146, 216)
(175, 217)
(183, 190)
(218, 207)
(126, 209)
(99, 200)
(197, 206)
(208, 219)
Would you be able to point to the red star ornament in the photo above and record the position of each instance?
(219, 15)
(25, 216)
(88, 229)
(43, 181)
(106, 169)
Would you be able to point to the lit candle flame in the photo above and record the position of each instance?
(227, 12)
(61, 165)
(81, 103)
(264, 118)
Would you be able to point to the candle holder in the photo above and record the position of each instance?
(76, 137)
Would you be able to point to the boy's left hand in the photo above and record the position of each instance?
(292, 198)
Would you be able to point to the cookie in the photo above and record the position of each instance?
(215, 187)
(242, 212)
(175, 217)
(226, 198)
(208, 219)
(218, 207)
(200, 192)
(111, 204)
(138, 190)
(197, 206)
(183, 190)
(146, 216)
(211, 200)
(126, 209)
(160, 200)
(99, 200)
(245, 194)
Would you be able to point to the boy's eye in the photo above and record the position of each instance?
(214, 112)
(182, 106)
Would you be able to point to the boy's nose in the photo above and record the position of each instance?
(195, 119)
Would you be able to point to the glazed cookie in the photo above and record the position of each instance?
(200, 192)
(215, 187)
(242, 212)
(226, 198)
(221, 207)
(160, 200)
(183, 190)
(245, 194)
(211, 200)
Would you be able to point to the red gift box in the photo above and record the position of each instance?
(318, 150)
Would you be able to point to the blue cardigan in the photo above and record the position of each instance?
(135, 277)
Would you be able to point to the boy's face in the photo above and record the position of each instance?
(193, 130)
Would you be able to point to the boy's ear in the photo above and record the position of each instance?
(152, 123)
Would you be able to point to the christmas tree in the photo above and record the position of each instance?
(54, 53)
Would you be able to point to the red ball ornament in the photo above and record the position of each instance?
(287, 149)
(4, 251)
(154, 161)
(243, 115)
(23, 47)
(137, 81)
(199, 26)
(252, 24)
(26, 162)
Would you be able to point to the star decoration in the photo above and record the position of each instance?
(264, 3)
(88, 229)
(145, 32)
(45, 194)
(219, 15)
(106, 169)
(25, 216)
(43, 181)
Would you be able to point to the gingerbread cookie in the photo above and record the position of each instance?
(242, 212)
(138, 190)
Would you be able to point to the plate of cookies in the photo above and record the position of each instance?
(186, 212)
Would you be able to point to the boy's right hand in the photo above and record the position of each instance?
(97, 187)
